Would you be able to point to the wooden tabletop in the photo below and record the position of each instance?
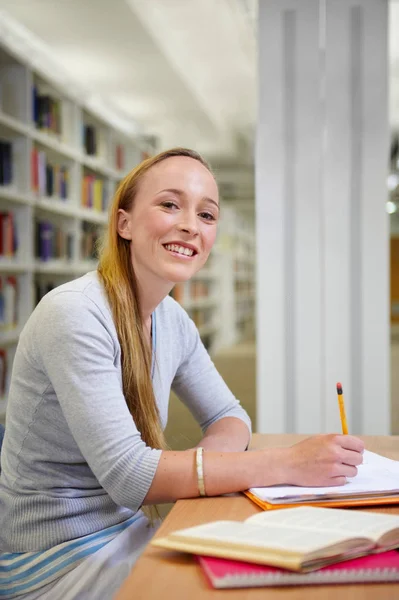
(162, 574)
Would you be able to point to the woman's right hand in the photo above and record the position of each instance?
(321, 460)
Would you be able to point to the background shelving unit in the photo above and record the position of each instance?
(221, 297)
(61, 160)
(60, 163)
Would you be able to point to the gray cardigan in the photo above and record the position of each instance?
(73, 461)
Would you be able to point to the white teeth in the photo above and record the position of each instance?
(179, 249)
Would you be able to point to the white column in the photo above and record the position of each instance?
(322, 229)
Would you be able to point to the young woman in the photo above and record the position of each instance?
(84, 448)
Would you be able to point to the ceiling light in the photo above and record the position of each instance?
(391, 207)
(392, 181)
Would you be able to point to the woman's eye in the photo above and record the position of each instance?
(169, 204)
(207, 216)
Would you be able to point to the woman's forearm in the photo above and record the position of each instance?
(224, 472)
(226, 435)
(321, 460)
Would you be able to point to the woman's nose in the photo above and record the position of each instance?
(189, 224)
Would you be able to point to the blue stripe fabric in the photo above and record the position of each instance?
(25, 572)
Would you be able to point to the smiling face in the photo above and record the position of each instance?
(173, 221)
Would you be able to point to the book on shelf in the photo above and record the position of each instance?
(52, 242)
(46, 112)
(6, 163)
(227, 574)
(300, 539)
(119, 157)
(377, 482)
(90, 139)
(8, 235)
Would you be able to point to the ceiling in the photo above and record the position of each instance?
(184, 69)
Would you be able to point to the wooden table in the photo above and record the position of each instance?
(161, 574)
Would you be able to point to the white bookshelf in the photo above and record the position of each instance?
(55, 142)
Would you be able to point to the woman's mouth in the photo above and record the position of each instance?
(180, 250)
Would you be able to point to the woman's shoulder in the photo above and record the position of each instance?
(72, 300)
(169, 308)
(172, 315)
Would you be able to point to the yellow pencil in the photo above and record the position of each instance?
(341, 404)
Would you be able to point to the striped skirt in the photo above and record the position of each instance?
(96, 576)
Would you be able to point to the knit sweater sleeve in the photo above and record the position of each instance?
(76, 346)
(200, 386)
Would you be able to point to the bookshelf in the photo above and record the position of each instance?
(60, 162)
(61, 159)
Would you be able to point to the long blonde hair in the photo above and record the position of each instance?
(120, 283)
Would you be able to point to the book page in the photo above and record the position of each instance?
(273, 537)
(348, 523)
(376, 474)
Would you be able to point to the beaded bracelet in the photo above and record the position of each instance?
(200, 471)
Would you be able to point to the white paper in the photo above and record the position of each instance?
(376, 474)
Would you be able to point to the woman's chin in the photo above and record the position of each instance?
(180, 275)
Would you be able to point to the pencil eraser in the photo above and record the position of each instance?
(339, 388)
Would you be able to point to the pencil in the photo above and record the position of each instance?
(341, 404)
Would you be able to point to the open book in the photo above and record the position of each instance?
(377, 482)
(300, 539)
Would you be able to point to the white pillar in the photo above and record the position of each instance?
(322, 229)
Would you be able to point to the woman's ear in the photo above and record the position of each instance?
(124, 224)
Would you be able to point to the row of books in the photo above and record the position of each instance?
(46, 112)
(6, 165)
(8, 302)
(48, 179)
(90, 140)
(94, 193)
(52, 242)
(8, 235)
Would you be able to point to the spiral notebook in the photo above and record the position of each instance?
(224, 574)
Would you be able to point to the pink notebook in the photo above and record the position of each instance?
(223, 573)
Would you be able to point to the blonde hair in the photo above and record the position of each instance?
(120, 283)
